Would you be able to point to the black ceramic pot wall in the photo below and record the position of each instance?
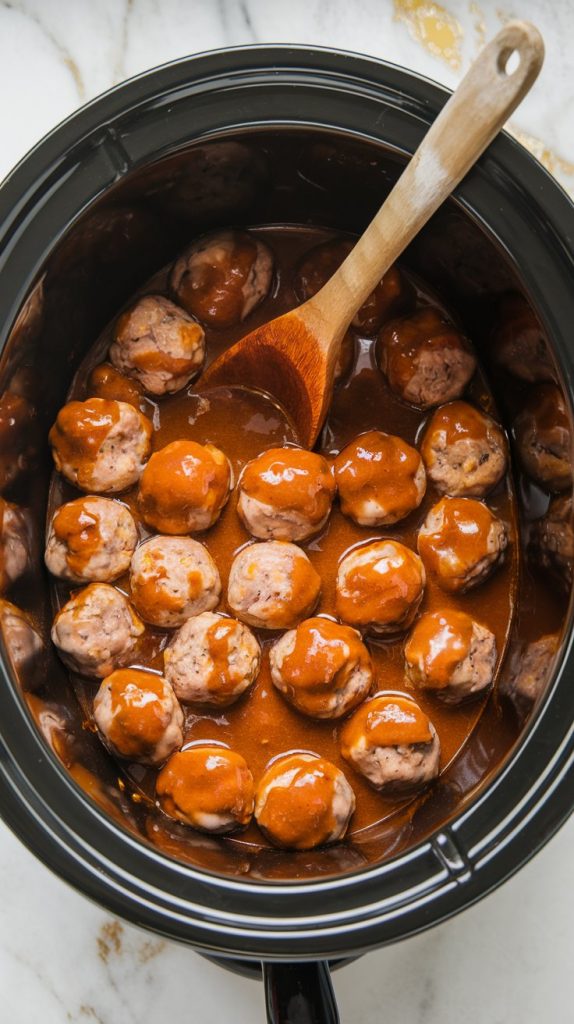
(251, 136)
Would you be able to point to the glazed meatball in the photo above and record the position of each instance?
(272, 585)
(16, 422)
(223, 277)
(518, 342)
(100, 445)
(139, 716)
(392, 743)
(530, 671)
(461, 542)
(208, 787)
(425, 359)
(544, 438)
(380, 587)
(303, 801)
(380, 479)
(212, 659)
(285, 494)
(451, 656)
(173, 578)
(14, 544)
(158, 344)
(107, 382)
(22, 641)
(322, 668)
(552, 541)
(184, 487)
(464, 451)
(392, 296)
(91, 539)
(96, 631)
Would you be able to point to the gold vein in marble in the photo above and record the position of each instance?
(549, 158)
(434, 27)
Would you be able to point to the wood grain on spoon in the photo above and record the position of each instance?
(294, 356)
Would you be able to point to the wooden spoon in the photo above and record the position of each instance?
(294, 356)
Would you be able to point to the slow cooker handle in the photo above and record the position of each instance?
(299, 993)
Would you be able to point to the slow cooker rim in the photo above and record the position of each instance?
(454, 876)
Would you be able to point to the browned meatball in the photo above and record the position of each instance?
(426, 360)
(303, 801)
(380, 587)
(96, 631)
(390, 741)
(100, 446)
(91, 539)
(139, 716)
(184, 487)
(223, 277)
(158, 344)
(451, 655)
(392, 296)
(518, 342)
(208, 787)
(272, 585)
(464, 451)
(552, 541)
(14, 544)
(285, 494)
(544, 438)
(107, 382)
(461, 542)
(322, 668)
(380, 479)
(530, 671)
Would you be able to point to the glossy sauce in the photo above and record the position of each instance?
(304, 482)
(437, 644)
(387, 722)
(380, 468)
(460, 538)
(77, 526)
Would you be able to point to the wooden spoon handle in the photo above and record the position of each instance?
(470, 119)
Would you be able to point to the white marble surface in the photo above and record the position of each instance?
(506, 961)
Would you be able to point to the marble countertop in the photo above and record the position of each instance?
(507, 960)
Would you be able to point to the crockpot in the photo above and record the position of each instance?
(248, 136)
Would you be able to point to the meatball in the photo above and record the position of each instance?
(14, 544)
(380, 587)
(22, 642)
(530, 671)
(158, 344)
(461, 541)
(106, 382)
(450, 655)
(392, 296)
(173, 578)
(303, 801)
(552, 541)
(464, 451)
(16, 428)
(425, 359)
(91, 539)
(208, 787)
(223, 277)
(322, 668)
(272, 585)
(184, 487)
(544, 438)
(380, 479)
(96, 631)
(100, 445)
(285, 494)
(390, 741)
(518, 342)
(212, 659)
(139, 716)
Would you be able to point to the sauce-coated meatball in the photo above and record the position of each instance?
(285, 494)
(91, 539)
(16, 420)
(461, 542)
(464, 451)
(96, 631)
(184, 487)
(14, 544)
(139, 715)
(159, 344)
(107, 382)
(212, 659)
(390, 741)
(518, 342)
(173, 578)
(272, 585)
(544, 438)
(553, 541)
(392, 296)
(426, 359)
(100, 445)
(380, 479)
(451, 655)
(303, 801)
(380, 587)
(223, 277)
(530, 671)
(208, 787)
(322, 668)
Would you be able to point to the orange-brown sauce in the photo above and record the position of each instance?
(295, 479)
(387, 722)
(461, 537)
(378, 467)
(439, 642)
(138, 717)
(77, 525)
(180, 479)
(458, 421)
(81, 429)
(322, 649)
